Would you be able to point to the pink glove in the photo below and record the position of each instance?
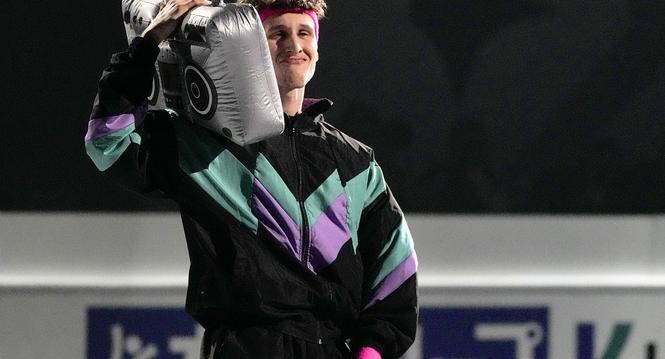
(368, 353)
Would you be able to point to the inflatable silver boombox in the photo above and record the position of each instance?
(217, 70)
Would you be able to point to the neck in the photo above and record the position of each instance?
(292, 101)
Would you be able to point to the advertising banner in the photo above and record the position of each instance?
(595, 327)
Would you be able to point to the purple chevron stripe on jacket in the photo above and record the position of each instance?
(275, 219)
(398, 276)
(329, 233)
(98, 127)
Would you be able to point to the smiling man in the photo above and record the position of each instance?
(298, 248)
(292, 40)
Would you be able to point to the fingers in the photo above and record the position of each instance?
(183, 7)
(174, 9)
(194, 2)
(167, 12)
(170, 9)
(176, 3)
(165, 3)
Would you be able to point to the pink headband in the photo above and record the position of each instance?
(268, 13)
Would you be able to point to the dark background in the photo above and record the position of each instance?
(472, 106)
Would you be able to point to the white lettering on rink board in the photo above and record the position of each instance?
(142, 333)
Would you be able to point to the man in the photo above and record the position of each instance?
(297, 246)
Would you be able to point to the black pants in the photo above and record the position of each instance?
(262, 343)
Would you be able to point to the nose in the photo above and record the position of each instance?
(292, 44)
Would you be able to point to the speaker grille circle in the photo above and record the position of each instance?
(200, 91)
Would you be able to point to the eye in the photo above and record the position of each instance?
(304, 33)
(277, 34)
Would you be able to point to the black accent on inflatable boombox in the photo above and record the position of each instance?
(201, 92)
(154, 90)
(171, 85)
(195, 28)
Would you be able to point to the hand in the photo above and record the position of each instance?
(166, 21)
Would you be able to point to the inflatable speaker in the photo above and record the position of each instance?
(217, 71)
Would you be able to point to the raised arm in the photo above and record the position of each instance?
(121, 132)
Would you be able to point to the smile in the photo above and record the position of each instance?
(294, 60)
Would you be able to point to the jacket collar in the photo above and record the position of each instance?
(316, 106)
(311, 115)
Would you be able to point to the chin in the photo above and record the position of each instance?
(292, 83)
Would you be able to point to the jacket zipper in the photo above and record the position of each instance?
(304, 234)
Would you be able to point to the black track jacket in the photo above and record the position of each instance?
(298, 233)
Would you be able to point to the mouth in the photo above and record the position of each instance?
(294, 60)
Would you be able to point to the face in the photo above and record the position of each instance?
(293, 48)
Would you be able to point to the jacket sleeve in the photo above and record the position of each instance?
(388, 319)
(120, 133)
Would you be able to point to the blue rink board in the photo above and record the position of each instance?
(446, 332)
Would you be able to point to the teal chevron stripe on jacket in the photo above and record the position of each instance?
(397, 263)
(362, 190)
(275, 185)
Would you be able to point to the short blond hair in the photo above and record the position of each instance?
(318, 6)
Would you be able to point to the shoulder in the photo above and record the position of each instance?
(343, 140)
(354, 156)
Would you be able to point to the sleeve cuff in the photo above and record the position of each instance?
(368, 353)
(144, 50)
